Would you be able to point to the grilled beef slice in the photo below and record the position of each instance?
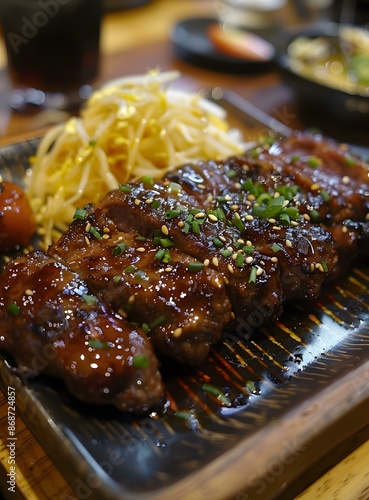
(52, 324)
(182, 308)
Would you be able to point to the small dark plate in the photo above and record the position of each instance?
(314, 98)
(192, 44)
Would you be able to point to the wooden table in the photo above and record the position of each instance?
(133, 42)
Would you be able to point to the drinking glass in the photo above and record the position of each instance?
(52, 49)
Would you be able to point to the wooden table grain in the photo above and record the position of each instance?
(134, 41)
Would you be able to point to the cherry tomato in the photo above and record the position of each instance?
(17, 223)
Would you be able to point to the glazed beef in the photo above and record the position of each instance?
(182, 308)
(51, 323)
(172, 263)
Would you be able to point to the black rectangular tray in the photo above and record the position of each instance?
(300, 387)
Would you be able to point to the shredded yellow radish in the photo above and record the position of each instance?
(130, 128)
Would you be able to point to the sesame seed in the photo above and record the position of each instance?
(88, 227)
(294, 223)
(28, 292)
(230, 268)
(274, 259)
(245, 167)
(259, 271)
(272, 221)
(105, 236)
(140, 249)
(237, 185)
(168, 269)
(234, 207)
(288, 243)
(106, 230)
(277, 228)
(367, 216)
(249, 259)
(206, 262)
(306, 217)
(276, 194)
(241, 241)
(228, 197)
(131, 299)
(201, 186)
(315, 187)
(223, 239)
(234, 256)
(215, 261)
(312, 267)
(226, 280)
(251, 197)
(210, 198)
(213, 217)
(180, 223)
(345, 179)
(164, 230)
(199, 215)
(149, 201)
(249, 217)
(87, 241)
(344, 229)
(137, 201)
(177, 332)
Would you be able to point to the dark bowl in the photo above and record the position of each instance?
(315, 98)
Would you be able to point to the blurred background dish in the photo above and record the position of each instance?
(192, 42)
(328, 73)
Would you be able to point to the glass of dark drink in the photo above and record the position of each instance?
(52, 49)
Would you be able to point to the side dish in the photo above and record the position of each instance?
(130, 128)
(17, 221)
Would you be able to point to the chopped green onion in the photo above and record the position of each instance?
(253, 275)
(171, 214)
(211, 389)
(195, 266)
(13, 309)
(227, 252)
(325, 195)
(130, 269)
(166, 242)
(97, 344)
(80, 213)
(89, 299)
(217, 242)
(174, 187)
(125, 188)
(95, 232)
(231, 173)
(140, 361)
(160, 320)
(119, 249)
(117, 279)
(155, 204)
(92, 142)
(145, 327)
(240, 260)
(276, 248)
(237, 222)
(249, 249)
(314, 161)
(148, 181)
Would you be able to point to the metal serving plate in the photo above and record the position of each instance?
(298, 389)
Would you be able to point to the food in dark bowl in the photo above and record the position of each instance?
(328, 67)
